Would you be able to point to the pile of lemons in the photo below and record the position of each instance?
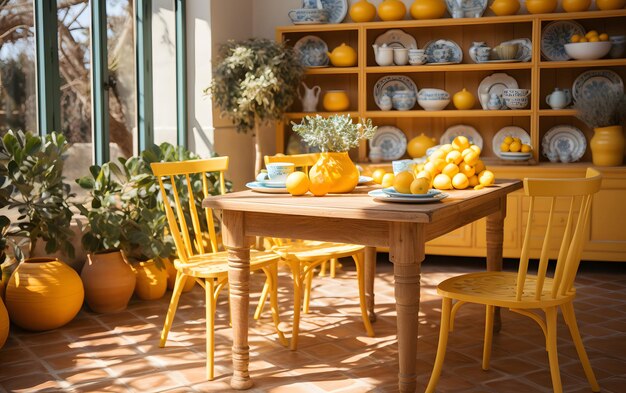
(514, 145)
(591, 36)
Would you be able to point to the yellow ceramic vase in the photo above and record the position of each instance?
(428, 9)
(109, 282)
(391, 10)
(607, 146)
(417, 146)
(4, 324)
(463, 100)
(151, 281)
(337, 170)
(43, 294)
(610, 4)
(362, 11)
(575, 5)
(336, 101)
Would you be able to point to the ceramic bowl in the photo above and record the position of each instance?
(516, 102)
(309, 15)
(433, 105)
(403, 100)
(433, 95)
(515, 93)
(587, 50)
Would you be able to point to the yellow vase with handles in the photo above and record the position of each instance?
(336, 101)
(343, 56)
(575, 5)
(428, 9)
(337, 171)
(607, 146)
(610, 4)
(391, 10)
(362, 11)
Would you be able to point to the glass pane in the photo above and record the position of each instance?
(18, 102)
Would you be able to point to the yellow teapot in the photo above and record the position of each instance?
(576, 5)
(505, 7)
(417, 146)
(541, 6)
(610, 4)
(362, 11)
(391, 10)
(428, 9)
(342, 56)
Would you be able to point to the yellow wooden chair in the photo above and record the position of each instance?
(303, 256)
(522, 292)
(197, 245)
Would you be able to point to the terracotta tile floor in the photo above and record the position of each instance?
(120, 353)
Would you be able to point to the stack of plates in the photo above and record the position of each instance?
(511, 156)
(391, 195)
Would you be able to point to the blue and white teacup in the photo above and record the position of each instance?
(278, 171)
(402, 165)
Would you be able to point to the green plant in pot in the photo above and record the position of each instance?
(254, 82)
(604, 110)
(334, 136)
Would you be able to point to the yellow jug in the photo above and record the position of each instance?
(391, 10)
(428, 9)
(541, 6)
(610, 4)
(362, 11)
(576, 5)
(343, 56)
(505, 7)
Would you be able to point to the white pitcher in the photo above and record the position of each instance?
(559, 99)
(309, 98)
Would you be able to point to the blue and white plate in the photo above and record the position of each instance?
(392, 191)
(564, 141)
(433, 47)
(594, 83)
(462, 129)
(380, 195)
(471, 8)
(554, 37)
(365, 179)
(391, 140)
(312, 51)
(387, 85)
(272, 183)
(396, 38)
(525, 51)
(337, 9)
(260, 187)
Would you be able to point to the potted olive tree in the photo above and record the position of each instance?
(254, 82)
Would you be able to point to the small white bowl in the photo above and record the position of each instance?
(433, 105)
(588, 50)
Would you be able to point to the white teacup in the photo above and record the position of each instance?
(402, 165)
(278, 171)
(400, 56)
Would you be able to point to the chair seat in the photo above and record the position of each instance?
(498, 289)
(216, 264)
(315, 251)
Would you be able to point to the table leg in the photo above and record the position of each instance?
(238, 247)
(406, 251)
(495, 239)
(370, 272)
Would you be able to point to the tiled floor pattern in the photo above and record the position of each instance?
(120, 353)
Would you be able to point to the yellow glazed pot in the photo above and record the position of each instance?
(505, 7)
(463, 100)
(391, 10)
(337, 170)
(541, 6)
(171, 277)
(417, 146)
(43, 294)
(151, 281)
(4, 324)
(109, 282)
(575, 5)
(610, 4)
(607, 146)
(336, 101)
(343, 56)
(362, 11)
(428, 9)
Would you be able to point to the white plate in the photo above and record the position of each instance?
(391, 140)
(589, 83)
(495, 83)
(516, 132)
(365, 179)
(461, 129)
(392, 191)
(258, 187)
(515, 156)
(564, 140)
(396, 38)
(471, 8)
(272, 183)
(389, 84)
(429, 49)
(312, 50)
(337, 10)
(555, 35)
(379, 195)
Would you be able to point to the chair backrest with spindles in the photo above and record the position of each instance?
(177, 181)
(578, 194)
(304, 161)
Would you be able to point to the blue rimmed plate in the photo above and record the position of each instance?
(433, 49)
(272, 183)
(392, 191)
(312, 50)
(391, 140)
(259, 187)
(380, 195)
(337, 10)
(555, 35)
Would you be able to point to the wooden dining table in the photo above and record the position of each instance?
(359, 219)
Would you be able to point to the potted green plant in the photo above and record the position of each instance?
(255, 81)
(604, 110)
(334, 137)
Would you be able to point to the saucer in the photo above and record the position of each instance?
(392, 191)
(379, 195)
(258, 187)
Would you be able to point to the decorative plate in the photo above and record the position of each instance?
(554, 37)
(516, 132)
(365, 179)
(379, 195)
(594, 83)
(433, 57)
(461, 129)
(471, 8)
(525, 51)
(272, 183)
(313, 51)
(567, 142)
(258, 187)
(396, 38)
(391, 140)
(337, 10)
(495, 83)
(509, 156)
(392, 191)
(389, 84)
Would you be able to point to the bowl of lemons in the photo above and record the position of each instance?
(591, 46)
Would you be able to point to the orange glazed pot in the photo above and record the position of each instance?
(109, 282)
(428, 9)
(337, 170)
(391, 10)
(362, 11)
(43, 294)
(607, 146)
(610, 4)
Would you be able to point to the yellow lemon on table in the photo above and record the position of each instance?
(378, 174)
(454, 157)
(476, 149)
(447, 148)
(439, 153)
(473, 181)
(402, 182)
(460, 181)
(471, 158)
(297, 183)
(442, 182)
(479, 166)
(388, 180)
(460, 143)
(486, 178)
(450, 170)
(421, 185)
(467, 169)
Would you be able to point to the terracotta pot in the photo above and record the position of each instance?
(171, 277)
(337, 170)
(607, 146)
(151, 281)
(109, 282)
(4, 324)
(43, 294)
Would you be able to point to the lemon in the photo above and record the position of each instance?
(526, 148)
(595, 38)
(450, 170)
(583, 40)
(460, 143)
(442, 182)
(508, 140)
(318, 186)
(471, 158)
(575, 38)
(473, 181)
(479, 166)
(505, 146)
(516, 139)
(402, 182)
(486, 178)
(515, 146)
(454, 157)
(388, 180)
(437, 154)
(467, 169)
(378, 175)
(466, 152)
(297, 183)
(420, 186)
(431, 168)
(424, 175)
(604, 37)
(447, 148)
(476, 149)
(460, 181)
(591, 33)
(479, 187)
(439, 164)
